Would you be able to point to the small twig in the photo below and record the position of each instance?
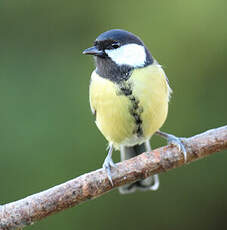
(33, 208)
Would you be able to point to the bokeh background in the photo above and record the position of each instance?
(48, 134)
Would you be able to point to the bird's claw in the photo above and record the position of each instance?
(178, 143)
(107, 165)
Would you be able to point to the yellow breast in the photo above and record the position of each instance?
(115, 117)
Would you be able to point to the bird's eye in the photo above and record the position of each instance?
(115, 45)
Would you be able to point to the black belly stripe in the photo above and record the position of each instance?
(135, 110)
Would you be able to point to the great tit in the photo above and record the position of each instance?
(129, 94)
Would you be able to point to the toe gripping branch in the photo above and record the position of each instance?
(177, 141)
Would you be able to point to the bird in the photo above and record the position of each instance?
(129, 94)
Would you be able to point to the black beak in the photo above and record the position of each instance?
(93, 51)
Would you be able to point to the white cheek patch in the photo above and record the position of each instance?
(130, 54)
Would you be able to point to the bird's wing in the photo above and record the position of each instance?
(92, 104)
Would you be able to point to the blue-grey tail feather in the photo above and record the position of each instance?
(150, 183)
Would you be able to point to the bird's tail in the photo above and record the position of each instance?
(150, 183)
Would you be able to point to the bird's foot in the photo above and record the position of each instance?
(173, 140)
(178, 143)
(108, 164)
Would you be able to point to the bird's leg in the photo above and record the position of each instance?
(171, 139)
(108, 163)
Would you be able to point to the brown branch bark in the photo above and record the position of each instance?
(33, 208)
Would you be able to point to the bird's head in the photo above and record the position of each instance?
(119, 51)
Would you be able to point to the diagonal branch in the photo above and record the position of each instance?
(33, 208)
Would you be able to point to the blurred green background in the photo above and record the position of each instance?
(48, 134)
